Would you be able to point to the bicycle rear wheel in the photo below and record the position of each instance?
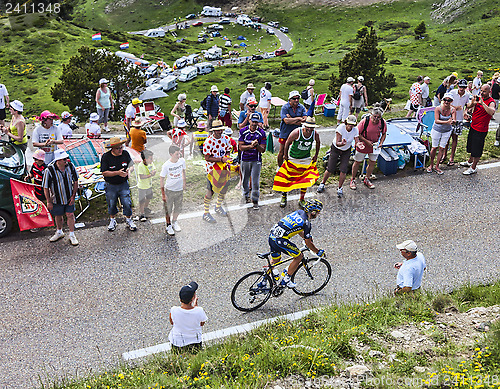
(251, 291)
(308, 284)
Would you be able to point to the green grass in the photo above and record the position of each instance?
(320, 344)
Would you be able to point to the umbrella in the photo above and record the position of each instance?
(152, 94)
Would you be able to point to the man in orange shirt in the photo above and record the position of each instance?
(137, 136)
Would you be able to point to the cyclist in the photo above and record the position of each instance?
(297, 222)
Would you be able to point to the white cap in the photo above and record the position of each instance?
(312, 82)
(361, 78)
(448, 95)
(350, 79)
(65, 115)
(228, 131)
(408, 245)
(293, 94)
(17, 105)
(94, 117)
(103, 81)
(181, 123)
(426, 78)
(214, 88)
(60, 154)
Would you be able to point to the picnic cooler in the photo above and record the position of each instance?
(329, 110)
(165, 124)
(387, 161)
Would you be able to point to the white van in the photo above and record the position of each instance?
(180, 63)
(205, 68)
(188, 73)
(155, 33)
(211, 11)
(192, 59)
(244, 20)
(169, 83)
(152, 71)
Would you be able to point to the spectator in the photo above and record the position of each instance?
(138, 136)
(47, 136)
(179, 110)
(299, 170)
(130, 113)
(415, 97)
(187, 321)
(293, 114)
(372, 132)
(345, 100)
(173, 184)
(216, 149)
(469, 87)
(4, 102)
(92, 128)
(104, 102)
(359, 97)
(116, 165)
(346, 133)
(460, 100)
(179, 136)
(252, 143)
(426, 100)
(444, 117)
(476, 84)
(16, 131)
(199, 137)
(411, 270)
(495, 94)
(146, 170)
(247, 95)
(64, 127)
(244, 118)
(234, 145)
(483, 110)
(440, 91)
(451, 81)
(36, 173)
(225, 108)
(310, 93)
(60, 185)
(265, 103)
(212, 106)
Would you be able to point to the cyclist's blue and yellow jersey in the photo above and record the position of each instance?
(290, 225)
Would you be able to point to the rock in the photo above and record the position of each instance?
(441, 325)
(358, 370)
(477, 311)
(376, 354)
(451, 309)
(423, 338)
(495, 308)
(277, 387)
(419, 369)
(391, 357)
(397, 334)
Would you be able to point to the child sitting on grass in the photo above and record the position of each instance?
(146, 170)
(92, 127)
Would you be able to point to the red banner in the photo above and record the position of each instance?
(30, 211)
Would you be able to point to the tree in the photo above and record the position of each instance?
(366, 60)
(420, 30)
(80, 79)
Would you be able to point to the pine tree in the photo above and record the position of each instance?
(366, 60)
(420, 30)
(80, 79)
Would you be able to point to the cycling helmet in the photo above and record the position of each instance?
(313, 205)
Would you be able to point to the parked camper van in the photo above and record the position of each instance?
(155, 33)
(152, 71)
(168, 83)
(211, 11)
(244, 20)
(205, 68)
(188, 73)
(180, 63)
(213, 53)
(192, 59)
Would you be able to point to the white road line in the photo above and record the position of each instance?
(219, 334)
(198, 214)
(488, 165)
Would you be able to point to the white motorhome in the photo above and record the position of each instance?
(244, 20)
(152, 71)
(213, 53)
(180, 63)
(192, 59)
(142, 63)
(188, 73)
(211, 11)
(205, 68)
(168, 83)
(155, 33)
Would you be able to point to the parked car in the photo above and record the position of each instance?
(257, 26)
(280, 52)
(284, 29)
(257, 57)
(190, 16)
(152, 81)
(225, 21)
(216, 27)
(256, 19)
(215, 34)
(230, 14)
(274, 24)
(198, 23)
(270, 31)
(152, 71)
(269, 55)
(166, 72)
(12, 165)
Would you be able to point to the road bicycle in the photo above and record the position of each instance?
(254, 289)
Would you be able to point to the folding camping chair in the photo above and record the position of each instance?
(425, 120)
(320, 103)
(151, 112)
(81, 152)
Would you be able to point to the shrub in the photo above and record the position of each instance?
(441, 302)
(420, 30)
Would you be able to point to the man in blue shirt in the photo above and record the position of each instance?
(245, 116)
(293, 114)
(212, 106)
(410, 271)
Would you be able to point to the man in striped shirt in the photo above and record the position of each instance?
(225, 108)
(60, 184)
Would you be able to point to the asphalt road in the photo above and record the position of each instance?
(70, 310)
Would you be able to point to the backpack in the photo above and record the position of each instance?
(357, 93)
(367, 121)
(204, 102)
(304, 94)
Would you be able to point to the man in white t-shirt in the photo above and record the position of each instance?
(173, 183)
(64, 126)
(265, 103)
(130, 113)
(476, 83)
(187, 321)
(345, 100)
(411, 270)
(246, 95)
(4, 102)
(460, 99)
(46, 136)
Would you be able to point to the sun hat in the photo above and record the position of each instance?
(454, 74)
(214, 88)
(114, 141)
(39, 154)
(408, 245)
(201, 125)
(496, 75)
(312, 82)
(182, 96)
(136, 101)
(251, 100)
(187, 292)
(47, 115)
(137, 123)
(103, 81)
(66, 115)
(310, 122)
(448, 95)
(293, 94)
(255, 117)
(350, 79)
(228, 131)
(462, 83)
(351, 119)
(60, 154)
(426, 78)
(181, 123)
(250, 86)
(17, 105)
(361, 78)
(94, 117)
(217, 125)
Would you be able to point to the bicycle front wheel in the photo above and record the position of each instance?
(251, 291)
(311, 280)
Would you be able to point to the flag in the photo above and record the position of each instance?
(292, 176)
(30, 211)
(124, 46)
(310, 111)
(221, 173)
(96, 37)
(270, 142)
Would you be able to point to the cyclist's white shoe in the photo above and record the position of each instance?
(287, 281)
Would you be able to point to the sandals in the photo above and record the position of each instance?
(429, 170)
(451, 163)
(439, 171)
